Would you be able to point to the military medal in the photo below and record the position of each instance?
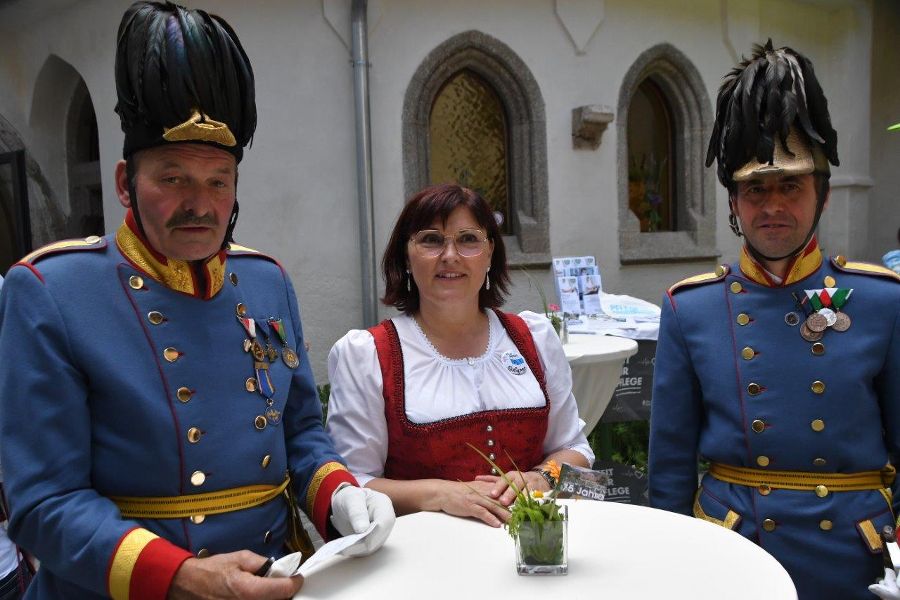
(273, 416)
(841, 322)
(826, 304)
(288, 355)
(257, 350)
(248, 343)
(816, 322)
(809, 335)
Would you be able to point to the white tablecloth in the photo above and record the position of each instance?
(596, 362)
(616, 551)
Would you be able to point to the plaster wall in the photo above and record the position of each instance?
(298, 181)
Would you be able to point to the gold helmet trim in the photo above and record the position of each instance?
(200, 128)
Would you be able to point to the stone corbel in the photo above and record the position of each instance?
(588, 124)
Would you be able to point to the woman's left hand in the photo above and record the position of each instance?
(505, 494)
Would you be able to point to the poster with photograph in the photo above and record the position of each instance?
(569, 301)
(590, 298)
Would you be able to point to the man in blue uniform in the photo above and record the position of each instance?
(782, 370)
(158, 404)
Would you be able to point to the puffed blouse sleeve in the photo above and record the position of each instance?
(356, 421)
(564, 427)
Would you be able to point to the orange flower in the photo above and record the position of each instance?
(553, 467)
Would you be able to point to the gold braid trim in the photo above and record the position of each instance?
(314, 485)
(729, 522)
(124, 561)
(873, 540)
(211, 503)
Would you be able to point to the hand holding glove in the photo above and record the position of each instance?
(353, 509)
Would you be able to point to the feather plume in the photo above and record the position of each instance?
(759, 101)
(171, 61)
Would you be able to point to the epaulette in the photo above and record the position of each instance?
(863, 268)
(93, 242)
(717, 275)
(238, 250)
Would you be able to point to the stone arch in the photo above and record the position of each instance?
(680, 82)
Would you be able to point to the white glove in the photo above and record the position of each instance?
(353, 509)
(886, 588)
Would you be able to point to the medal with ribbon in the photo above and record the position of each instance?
(288, 355)
(826, 305)
(261, 369)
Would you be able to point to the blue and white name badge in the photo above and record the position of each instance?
(514, 362)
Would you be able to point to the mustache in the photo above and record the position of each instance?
(189, 218)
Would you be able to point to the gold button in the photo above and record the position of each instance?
(820, 462)
(241, 309)
(764, 489)
(829, 281)
(260, 422)
(489, 428)
(491, 456)
(817, 425)
(825, 525)
(754, 388)
(840, 260)
(490, 443)
(136, 282)
(267, 537)
(769, 525)
(762, 461)
(171, 354)
(748, 353)
(233, 278)
(743, 319)
(184, 394)
(720, 271)
(266, 460)
(817, 387)
(821, 491)
(92, 239)
(155, 317)
(818, 348)
(250, 384)
(197, 519)
(193, 435)
(198, 478)
(203, 553)
(736, 287)
(758, 426)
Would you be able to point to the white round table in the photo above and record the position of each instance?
(615, 551)
(596, 362)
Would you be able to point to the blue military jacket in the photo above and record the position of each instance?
(735, 383)
(125, 374)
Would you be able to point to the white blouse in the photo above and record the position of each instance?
(438, 388)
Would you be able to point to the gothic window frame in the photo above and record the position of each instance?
(510, 78)
(695, 185)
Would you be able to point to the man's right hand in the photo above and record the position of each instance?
(229, 576)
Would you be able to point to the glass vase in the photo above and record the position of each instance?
(542, 548)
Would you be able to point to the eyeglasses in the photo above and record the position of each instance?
(430, 243)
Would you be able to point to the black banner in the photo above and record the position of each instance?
(624, 483)
(631, 399)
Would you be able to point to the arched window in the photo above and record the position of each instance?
(473, 113)
(667, 203)
(651, 189)
(85, 189)
(468, 140)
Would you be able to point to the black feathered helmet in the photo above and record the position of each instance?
(182, 76)
(772, 118)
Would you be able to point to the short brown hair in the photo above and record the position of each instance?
(431, 203)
